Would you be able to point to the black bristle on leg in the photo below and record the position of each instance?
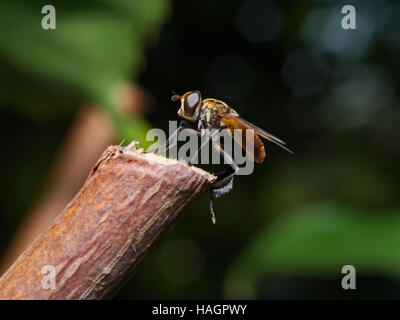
(218, 189)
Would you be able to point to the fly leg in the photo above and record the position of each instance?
(208, 136)
(223, 186)
(172, 139)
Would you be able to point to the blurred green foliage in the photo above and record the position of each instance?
(97, 44)
(318, 240)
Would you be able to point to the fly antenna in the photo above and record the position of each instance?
(175, 97)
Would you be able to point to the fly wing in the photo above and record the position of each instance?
(254, 147)
(229, 119)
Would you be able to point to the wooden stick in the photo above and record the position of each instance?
(129, 201)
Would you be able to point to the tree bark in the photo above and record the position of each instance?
(128, 202)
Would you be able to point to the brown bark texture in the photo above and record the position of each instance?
(128, 202)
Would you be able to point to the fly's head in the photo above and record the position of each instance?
(190, 105)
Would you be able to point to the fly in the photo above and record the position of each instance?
(198, 114)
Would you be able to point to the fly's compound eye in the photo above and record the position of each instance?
(192, 101)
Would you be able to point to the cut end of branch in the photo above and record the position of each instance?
(151, 158)
(128, 202)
